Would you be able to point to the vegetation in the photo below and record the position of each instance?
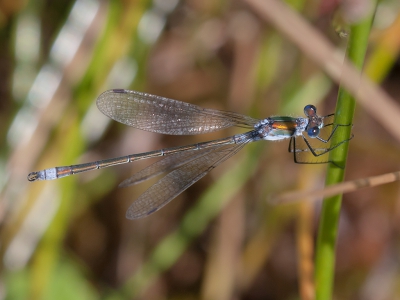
(223, 238)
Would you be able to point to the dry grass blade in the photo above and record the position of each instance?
(344, 187)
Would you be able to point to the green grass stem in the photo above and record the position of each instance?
(328, 227)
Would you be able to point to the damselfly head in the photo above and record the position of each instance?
(315, 123)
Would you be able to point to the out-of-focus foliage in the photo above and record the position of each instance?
(221, 239)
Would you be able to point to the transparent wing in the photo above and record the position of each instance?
(175, 182)
(164, 165)
(167, 116)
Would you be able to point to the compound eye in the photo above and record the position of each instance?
(313, 132)
(310, 110)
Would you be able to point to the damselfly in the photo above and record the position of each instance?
(185, 165)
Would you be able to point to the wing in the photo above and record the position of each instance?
(167, 116)
(175, 182)
(167, 164)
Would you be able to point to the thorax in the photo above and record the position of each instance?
(280, 127)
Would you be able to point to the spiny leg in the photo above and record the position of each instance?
(333, 132)
(316, 152)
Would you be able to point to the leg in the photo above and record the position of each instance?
(302, 152)
(332, 133)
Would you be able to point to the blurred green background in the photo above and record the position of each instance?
(220, 239)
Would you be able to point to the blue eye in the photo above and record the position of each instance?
(313, 132)
(310, 110)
